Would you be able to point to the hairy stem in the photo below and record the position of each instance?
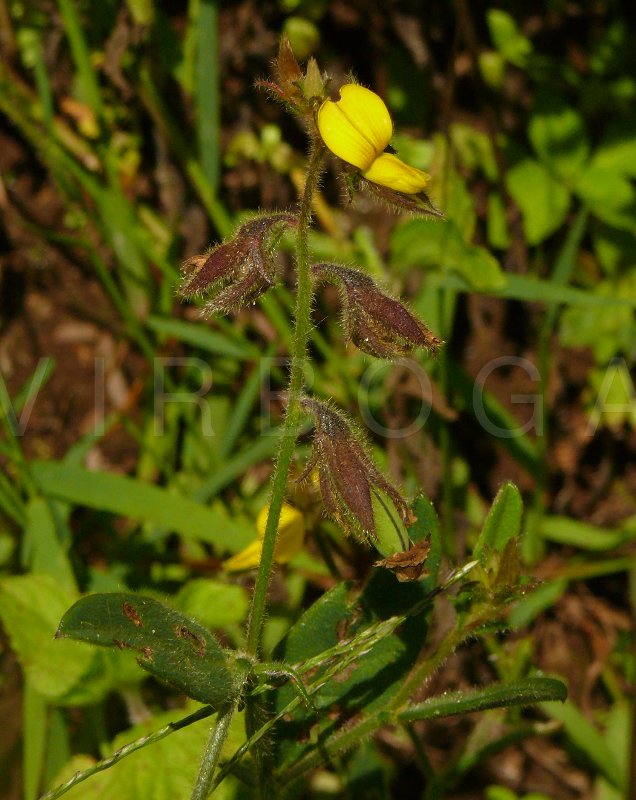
(127, 750)
(218, 735)
(302, 328)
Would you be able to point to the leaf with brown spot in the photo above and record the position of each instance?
(170, 646)
(131, 612)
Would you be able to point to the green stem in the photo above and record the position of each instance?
(127, 750)
(426, 668)
(423, 671)
(218, 735)
(302, 329)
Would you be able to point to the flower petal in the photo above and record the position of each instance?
(357, 127)
(248, 558)
(343, 138)
(290, 540)
(369, 114)
(387, 170)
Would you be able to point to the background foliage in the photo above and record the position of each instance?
(132, 138)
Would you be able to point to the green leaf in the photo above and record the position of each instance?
(375, 674)
(617, 150)
(497, 224)
(166, 770)
(609, 195)
(34, 722)
(199, 335)
(583, 535)
(171, 646)
(507, 38)
(474, 149)
(585, 736)
(500, 695)
(618, 735)
(207, 90)
(502, 524)
(132, 498)
(530, 606)
(614, 401)
(543, 199)
(318, 628)
(614, 249)
(366, 774)
(428, 244)
(41, 546)
(427, 524)
(213, 603)
(608, 331)
(558, 135)
(500, 793)
(531, 289)
(30, 608)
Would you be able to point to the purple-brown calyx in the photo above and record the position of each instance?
(347, 474)
(235, 273)
(375, 322)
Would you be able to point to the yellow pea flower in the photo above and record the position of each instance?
(357, 128)
(291, 535)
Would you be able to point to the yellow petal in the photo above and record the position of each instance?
(248, 558)
(291, 536)
(357, 127)
(387, 170)
(291, 532)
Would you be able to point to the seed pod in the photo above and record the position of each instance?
(346, 471)
(233, 274)
(373, 321)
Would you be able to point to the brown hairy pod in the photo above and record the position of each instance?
(236, 272)
(347, 474)
(375, 322)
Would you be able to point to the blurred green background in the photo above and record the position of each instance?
(137, 438)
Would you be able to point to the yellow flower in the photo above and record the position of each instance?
(291, 535)
(357, 128)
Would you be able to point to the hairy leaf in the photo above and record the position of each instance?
(169, 645)
(500, 695)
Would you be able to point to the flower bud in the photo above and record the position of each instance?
(313, 83)
(233, 274)
(295, 89)
(347, 475)
(373, 321)
(287, 67)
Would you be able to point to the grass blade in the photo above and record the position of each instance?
(207, 81)
(128, 497)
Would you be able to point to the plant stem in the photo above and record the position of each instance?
(302, 329)
(127, 750)
(426, 668)
(217, 738)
